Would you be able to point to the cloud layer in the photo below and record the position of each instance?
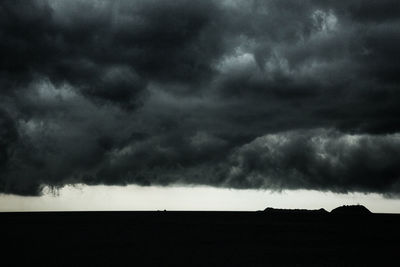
(232, 93)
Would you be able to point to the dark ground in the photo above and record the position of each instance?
(199, 238)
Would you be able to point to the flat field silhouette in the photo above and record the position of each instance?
(171, 238)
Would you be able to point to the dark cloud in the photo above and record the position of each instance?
(8, 136)
(319, 159)
(232, 93)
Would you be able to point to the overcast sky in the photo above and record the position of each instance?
(232, 94)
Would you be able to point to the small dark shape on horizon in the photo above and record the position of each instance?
(294, 211)
(351, 209)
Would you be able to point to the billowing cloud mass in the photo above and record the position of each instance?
(229, 93)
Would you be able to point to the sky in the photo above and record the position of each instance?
(81, 197)
(219, 94)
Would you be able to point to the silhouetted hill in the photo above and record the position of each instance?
(345, 209)
(351, 210)
(294, 211)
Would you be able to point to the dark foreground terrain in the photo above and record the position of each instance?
(199, 238)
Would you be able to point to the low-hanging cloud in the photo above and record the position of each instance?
(319, 159)
(233, 93)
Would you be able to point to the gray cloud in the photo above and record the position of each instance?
(319, 159)
(244, 94)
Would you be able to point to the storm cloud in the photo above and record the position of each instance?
(231, 93)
